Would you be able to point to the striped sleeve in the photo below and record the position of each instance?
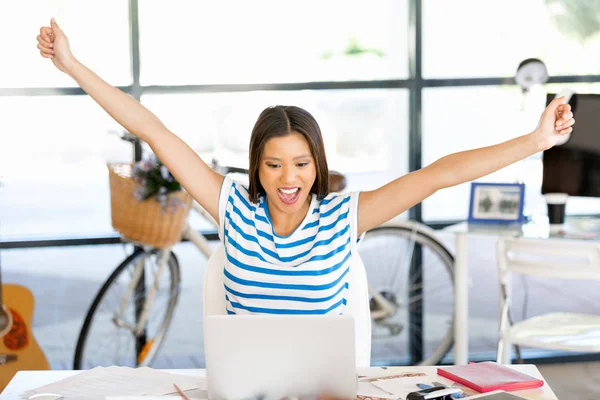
(353, 216)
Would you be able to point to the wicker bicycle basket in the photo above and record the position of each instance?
(145, 221)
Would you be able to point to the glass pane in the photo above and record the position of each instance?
(53, 165)
(458, 119)
(63, 281)
(190, 42)
(578, 205)
(365, 131)
(98, 33)
(472, 38)
(356, 125)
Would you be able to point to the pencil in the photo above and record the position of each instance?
(185, 396)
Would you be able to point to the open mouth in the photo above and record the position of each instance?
(289, 195)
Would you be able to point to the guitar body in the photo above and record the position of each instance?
(18, 348)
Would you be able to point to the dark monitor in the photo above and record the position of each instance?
(574, 167)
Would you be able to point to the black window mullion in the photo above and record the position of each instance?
(136, 88)
(415, 95)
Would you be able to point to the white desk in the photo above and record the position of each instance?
(26, 380)
(536, 229)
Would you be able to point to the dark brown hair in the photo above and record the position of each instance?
(278, 121)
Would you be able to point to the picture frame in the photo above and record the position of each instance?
(497, 203)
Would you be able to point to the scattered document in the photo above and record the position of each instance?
(396, 386)
(102, 382)
(366, 390)
(401, 387)
(144, 397)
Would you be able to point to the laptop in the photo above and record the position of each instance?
(277, 356)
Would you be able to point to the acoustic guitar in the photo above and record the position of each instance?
(18, 348)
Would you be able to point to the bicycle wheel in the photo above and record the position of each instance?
(388, 253)
(104, 340)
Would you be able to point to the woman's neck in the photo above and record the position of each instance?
(284, 223)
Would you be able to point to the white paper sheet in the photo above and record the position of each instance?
(401, 387)
(366, 389)
(144, 397)
(100, 382)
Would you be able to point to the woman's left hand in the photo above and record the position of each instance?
(555, 123)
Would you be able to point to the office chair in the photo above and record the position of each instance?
(563, 259)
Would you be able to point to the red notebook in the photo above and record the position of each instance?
(488, 376)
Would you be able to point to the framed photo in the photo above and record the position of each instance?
(497, 203)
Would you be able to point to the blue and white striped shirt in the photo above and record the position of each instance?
(306, 272)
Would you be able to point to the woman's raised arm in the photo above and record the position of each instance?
(378, 206)
(195, 176)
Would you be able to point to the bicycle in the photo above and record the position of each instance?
(141, 322)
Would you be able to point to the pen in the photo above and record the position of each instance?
(185, 396)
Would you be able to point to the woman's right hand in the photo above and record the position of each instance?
(54, 44)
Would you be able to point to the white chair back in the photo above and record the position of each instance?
(213, 290)
(358, 305)
(563, 259)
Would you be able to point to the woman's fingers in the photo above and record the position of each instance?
(41, 47)
(563, 114)
(46, 33)
(563, 121)
(45, 50)
(564, 108)
(566, 116)
(566, 131)
(44, 43)
(567, 124)
(565, 128)
(46, 55)
(562, 111)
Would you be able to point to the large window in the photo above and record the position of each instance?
(264, 41)
(457, 119)
(473, 38)
(357, 125)
(98, 33)
(54, 148)
(53, 162)
(365, 131)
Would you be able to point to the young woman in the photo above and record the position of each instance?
(289, 243)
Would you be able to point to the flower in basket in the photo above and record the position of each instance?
(156, 181)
